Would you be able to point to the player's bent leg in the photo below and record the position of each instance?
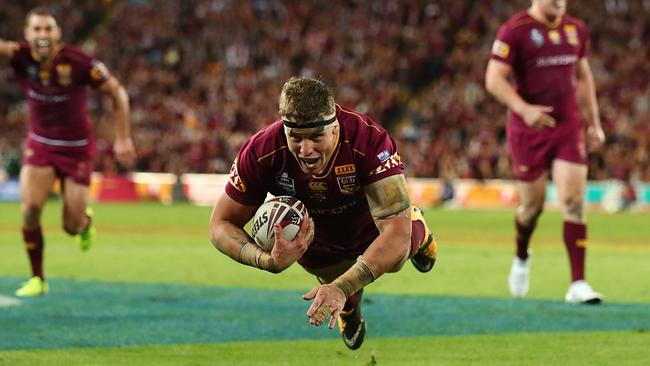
(425, 258)
(85, 238)
(35, 185)
(531, 203)
(77, 216)
(571, 180)
(351, 323)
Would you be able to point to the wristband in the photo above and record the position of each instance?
(355, 278)
(254, 256)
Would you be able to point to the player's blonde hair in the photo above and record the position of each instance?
(304, 100)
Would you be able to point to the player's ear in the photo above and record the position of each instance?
(58, 33)
(335, 129)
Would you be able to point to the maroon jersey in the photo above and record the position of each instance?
(56, 94)
(364, 154)
(544, 62)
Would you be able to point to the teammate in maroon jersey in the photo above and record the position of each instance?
(345, 168)
(53, 77)
(545, 50)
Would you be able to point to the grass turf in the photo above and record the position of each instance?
(150, 243)
(599, 348)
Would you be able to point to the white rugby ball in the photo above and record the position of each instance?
(287, 211)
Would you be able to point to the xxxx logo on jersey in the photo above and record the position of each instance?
(344, 169)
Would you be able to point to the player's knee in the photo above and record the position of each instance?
(73, 225)
(69, 230)
(535, 215)
(573, 207)
(528, 215)
(31, 214)
(398, 266)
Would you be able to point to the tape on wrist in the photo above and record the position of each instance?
(355, 278)
(254, 256)
(249, 254)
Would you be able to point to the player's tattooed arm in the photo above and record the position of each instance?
(387, 198)
(390, 207)
(228, 236)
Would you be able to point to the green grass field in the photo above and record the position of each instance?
(153, 291)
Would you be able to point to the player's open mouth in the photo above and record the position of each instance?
(309, 162)
(43, 43)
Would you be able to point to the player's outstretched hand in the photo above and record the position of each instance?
(537, 116)
(124, 152)
(595, 137)
(328, 300)
(286, 252)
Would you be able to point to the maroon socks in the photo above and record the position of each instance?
(33, 240)
(353, 301)
(523, 239)
(575, 240)
(417, 236)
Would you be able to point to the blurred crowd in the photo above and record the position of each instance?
(205, 75)
(453, 128)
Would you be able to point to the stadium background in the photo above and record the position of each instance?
(204, 75)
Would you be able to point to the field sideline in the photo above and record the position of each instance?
(155, 277)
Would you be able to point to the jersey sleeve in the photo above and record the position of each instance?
(245, 179)
(504, 47)
(382, 160)
(585, 44)
(93, 72)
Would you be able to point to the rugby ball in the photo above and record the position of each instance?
(287, 211)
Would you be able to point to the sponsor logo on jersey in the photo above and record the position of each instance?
(234, 179)
(501, 49)
(287, 184)
(559, 60)
(98, 71)
(344, 169)
(554, 36)
(64, 73)
(332, 211)
(56, 98)
(523, 168)
(348, 184)
(392, 162)
(571, 34)
(537, 37)
(44, 76)
(317, 190)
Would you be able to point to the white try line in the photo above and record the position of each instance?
(6, 301)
